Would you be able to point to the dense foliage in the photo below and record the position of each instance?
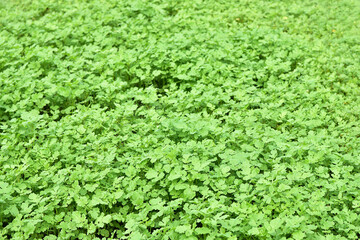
(179, 119)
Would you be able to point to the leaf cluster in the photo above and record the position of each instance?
(179, 119)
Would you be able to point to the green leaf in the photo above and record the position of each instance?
(254, 231)
(202, 230)
(151, 174)
(182, 228)
(298, 235)
(13, 210)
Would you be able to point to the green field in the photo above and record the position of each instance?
(179, 119)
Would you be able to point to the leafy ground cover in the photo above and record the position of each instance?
(179, 119)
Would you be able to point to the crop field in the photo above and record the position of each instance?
(179, 119)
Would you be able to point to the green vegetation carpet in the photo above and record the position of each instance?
(179, 119)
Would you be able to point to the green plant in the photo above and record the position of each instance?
(179, 119)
